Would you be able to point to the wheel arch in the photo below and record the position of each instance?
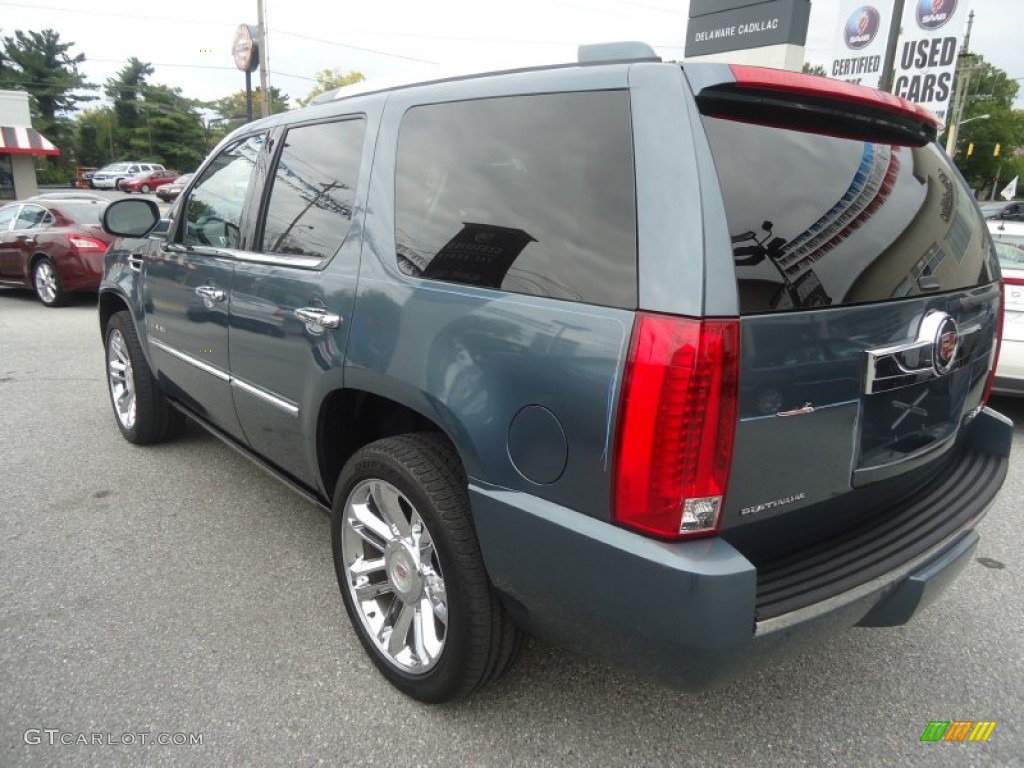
(109, 304)
(352, 418)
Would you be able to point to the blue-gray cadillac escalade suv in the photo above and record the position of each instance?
(681, 366)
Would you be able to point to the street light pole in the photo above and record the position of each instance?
(264, 95)
(961, 80)
(954, 133)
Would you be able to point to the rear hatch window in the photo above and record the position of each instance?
(821, 221)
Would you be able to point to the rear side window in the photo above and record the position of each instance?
(821, 221)
(529, 194)
(31, 216)
(310, 208)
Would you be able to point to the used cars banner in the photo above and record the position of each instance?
(926, 55)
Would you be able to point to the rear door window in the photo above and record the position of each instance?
(314, 187)
(821, 221)
(528, 194)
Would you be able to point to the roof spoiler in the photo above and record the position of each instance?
(815, 104)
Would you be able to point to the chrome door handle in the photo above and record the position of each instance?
(135, 262)
(318, 317)
(211, 293)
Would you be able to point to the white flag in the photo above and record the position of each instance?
(1010, 191)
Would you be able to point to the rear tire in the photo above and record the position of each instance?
(411, 573)
(47, 285)
(141, 411)
(144, 189)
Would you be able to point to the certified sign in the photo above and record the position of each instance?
(859, 48)
(861, 27)
(244, 49)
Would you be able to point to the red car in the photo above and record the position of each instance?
(148, 181)
(53, 247)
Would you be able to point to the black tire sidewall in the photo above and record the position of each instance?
(156, 421)
(441, 681)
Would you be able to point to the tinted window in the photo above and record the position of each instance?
(31, 216)
(532, 194)
(817, 220)
(213, 212)
(7, 216)
(313, 191)
(83, 213)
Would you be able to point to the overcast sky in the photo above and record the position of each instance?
(189, 41)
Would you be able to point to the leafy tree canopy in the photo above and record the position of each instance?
(328, 80)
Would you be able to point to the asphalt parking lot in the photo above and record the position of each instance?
(179, 590)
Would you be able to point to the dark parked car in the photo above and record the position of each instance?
(53, 246)
(171, 190)
(148, 181)
(516, 334)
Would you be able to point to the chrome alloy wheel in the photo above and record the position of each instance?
(46, 282)
(393, 576)
(121, 379)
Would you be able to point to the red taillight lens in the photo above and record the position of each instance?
(998, 342)
(677, 419)
(83, 243)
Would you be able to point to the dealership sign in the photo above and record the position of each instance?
(926, 55)
(859, 50)
(729, 25)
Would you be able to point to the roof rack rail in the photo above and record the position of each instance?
(603, 53)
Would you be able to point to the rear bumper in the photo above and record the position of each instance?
(685, 613)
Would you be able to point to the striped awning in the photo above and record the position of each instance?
(18, 140)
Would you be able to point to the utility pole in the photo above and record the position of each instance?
(961, 82)
(261, 24)
(888, 65)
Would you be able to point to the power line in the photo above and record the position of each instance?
(353, 47)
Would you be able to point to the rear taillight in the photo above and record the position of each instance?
(83, 243)
(677, 418)
(997, 344)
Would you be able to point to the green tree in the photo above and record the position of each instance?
(172, 130)
(94, 139)
(990, 91)
(232, 108)
(328, 80)
(125, 92)
(41, 65)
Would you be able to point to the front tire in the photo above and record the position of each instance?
(47, 284)
(141, 411)
(144, 189)
(411, 573)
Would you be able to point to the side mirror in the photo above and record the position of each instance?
(131, 218)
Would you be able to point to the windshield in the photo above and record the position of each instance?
(115, 167)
